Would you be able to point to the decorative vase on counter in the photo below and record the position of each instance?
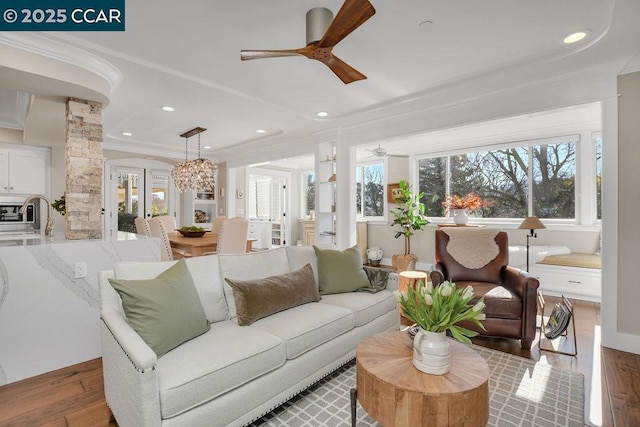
(431, 352)
(374, 254)
(460, 216)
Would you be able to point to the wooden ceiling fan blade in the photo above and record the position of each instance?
(344, 71)
(351, 15)
(246, 55)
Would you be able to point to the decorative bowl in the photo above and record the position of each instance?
(188, 233)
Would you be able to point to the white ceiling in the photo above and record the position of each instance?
(187, 55)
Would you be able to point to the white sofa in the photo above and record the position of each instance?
(232, 375)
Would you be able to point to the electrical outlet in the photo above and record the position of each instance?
(80, 270)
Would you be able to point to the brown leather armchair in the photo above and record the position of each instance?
(509, 293)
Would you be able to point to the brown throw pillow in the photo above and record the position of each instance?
(260, 298)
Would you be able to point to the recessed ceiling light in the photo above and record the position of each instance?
(322, 114)
(167, 108)
(260, 131)
(574, 37)
(127, 133)
(206, 147)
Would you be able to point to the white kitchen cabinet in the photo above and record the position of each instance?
(262, 232)
(24, 171)
(572, 282)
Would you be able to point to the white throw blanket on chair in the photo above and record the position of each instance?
(473, 248)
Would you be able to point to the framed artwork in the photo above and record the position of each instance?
(393, 192)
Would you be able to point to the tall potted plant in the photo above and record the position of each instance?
(409, 215)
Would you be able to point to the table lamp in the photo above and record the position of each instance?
(531, 223)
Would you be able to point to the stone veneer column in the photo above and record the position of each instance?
(84, 164)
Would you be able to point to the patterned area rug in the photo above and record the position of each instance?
(521, 393)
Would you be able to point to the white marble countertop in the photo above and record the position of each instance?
(38, 238)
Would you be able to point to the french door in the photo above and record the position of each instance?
(138, 192)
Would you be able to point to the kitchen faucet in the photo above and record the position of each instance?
(48, 229)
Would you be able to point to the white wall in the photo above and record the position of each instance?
(621, 234)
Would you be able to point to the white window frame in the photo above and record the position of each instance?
(362, 165)
(584, 170)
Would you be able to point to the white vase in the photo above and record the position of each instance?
(431, 353)
(460, 216)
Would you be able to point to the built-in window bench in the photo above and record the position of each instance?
(574, 275)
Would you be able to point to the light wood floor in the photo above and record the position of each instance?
(74, 396)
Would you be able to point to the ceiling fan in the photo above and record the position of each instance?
(323, 35)
(380, 152)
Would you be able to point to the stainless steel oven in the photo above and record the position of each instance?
(12, 221)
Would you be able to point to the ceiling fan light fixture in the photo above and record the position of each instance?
(379, 151)
(323, 37)
(318, 20)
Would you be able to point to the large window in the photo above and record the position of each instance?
(370, 190)
(537, 179)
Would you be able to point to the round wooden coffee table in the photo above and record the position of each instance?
(395, 393)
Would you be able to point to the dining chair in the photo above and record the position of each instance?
(232, 237)
(168, 221)
(215, 227)
(167, 253)
(142, 226)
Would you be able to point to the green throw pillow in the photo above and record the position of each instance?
(340, 271)
(164, 311)
(260, 298)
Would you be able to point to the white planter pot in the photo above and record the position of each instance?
(431, 353)
(460, 216)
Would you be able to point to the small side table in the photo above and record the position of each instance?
(397, 394)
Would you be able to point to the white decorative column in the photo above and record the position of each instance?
(84, 166)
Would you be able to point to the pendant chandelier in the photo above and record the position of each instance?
(197, 174)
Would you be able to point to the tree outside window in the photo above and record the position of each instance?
(309, 191)
(502, 176)
(370, 190)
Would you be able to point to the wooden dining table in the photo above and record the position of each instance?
(198, 246)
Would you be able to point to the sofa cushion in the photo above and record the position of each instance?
(365, 306)
(340, 271)
(205, 272)
(224, 358)
(164, 311)
(307, 326)
(260, 298)
(500, 301)
(250, 266)
(299, 256)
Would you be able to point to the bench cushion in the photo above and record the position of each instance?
(224, 358)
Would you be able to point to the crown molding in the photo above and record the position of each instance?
(52, 49)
